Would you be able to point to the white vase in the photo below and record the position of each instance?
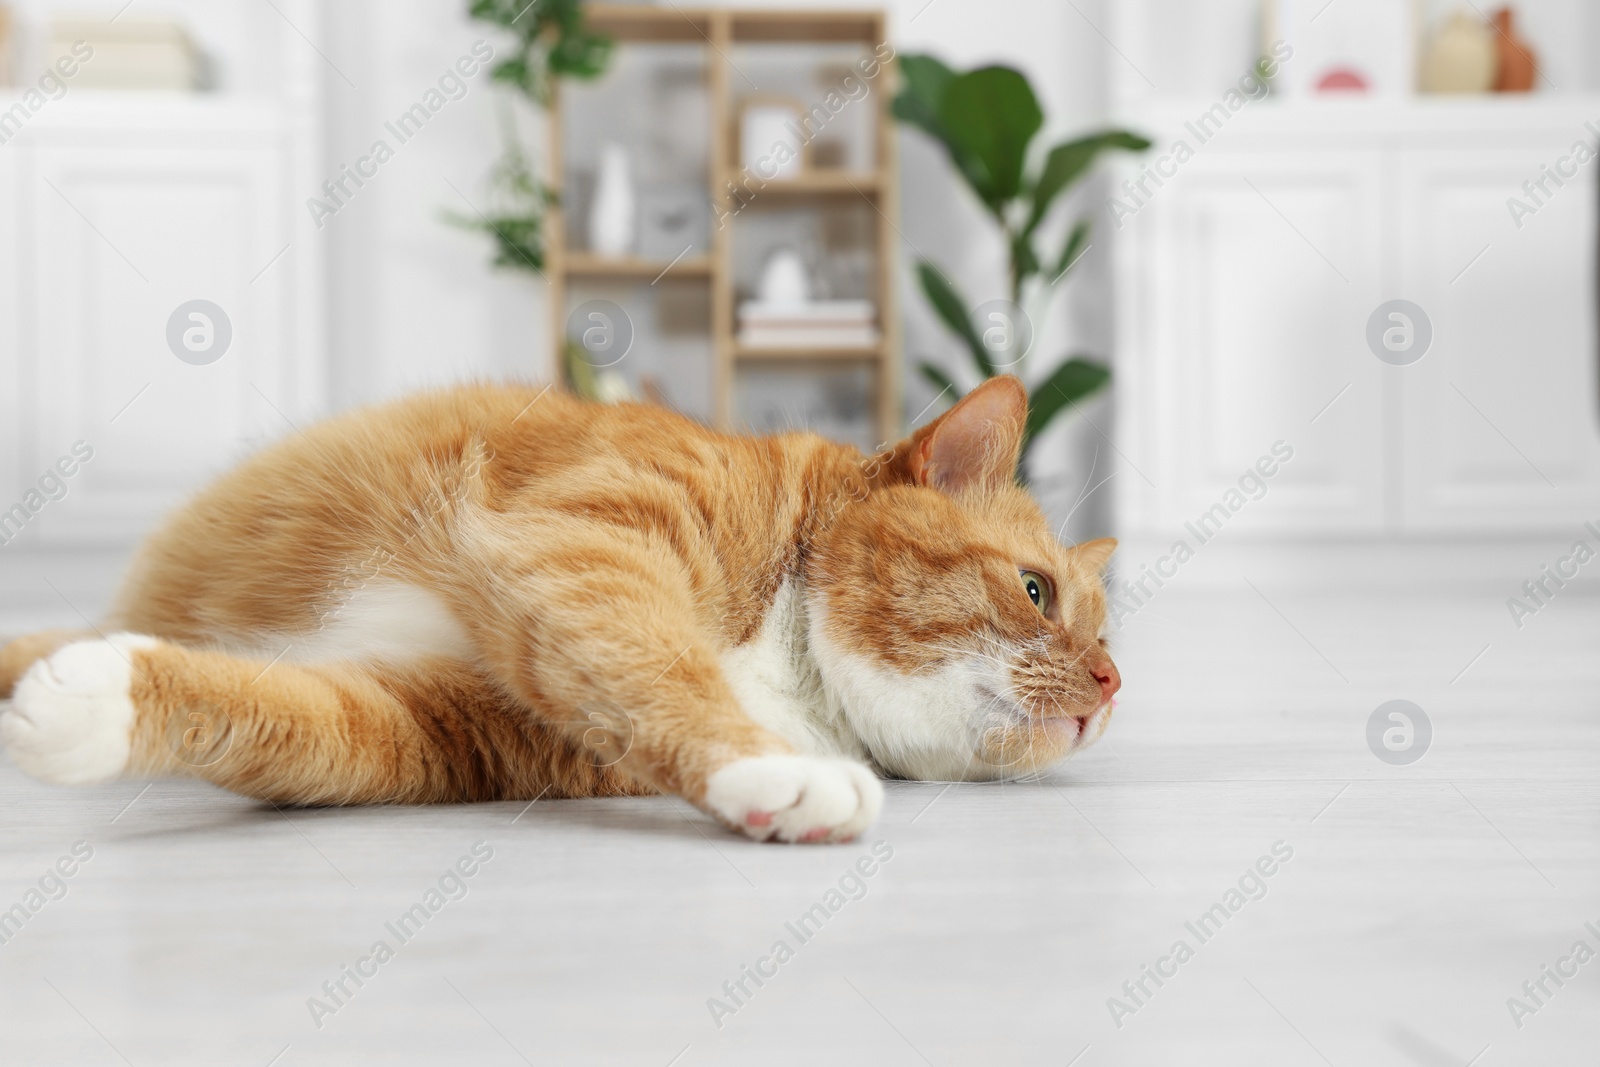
(611, 219)
(784, 279)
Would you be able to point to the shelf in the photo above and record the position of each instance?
(694, 24)
(631, 23)
(815, 183)
(1422, 116)
(590, 265)
(134, 111)
(807, 27)
(790, 355)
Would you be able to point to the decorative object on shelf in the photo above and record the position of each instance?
(1353, 46)
(674, 219)
(785, 281)
(1518, 63)
(550, 41)
(132, 54)
(772, 145)
(811, 324)
(1343, 80)
(986, 119)
(611, 218)
(1461, 58)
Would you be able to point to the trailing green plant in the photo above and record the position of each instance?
(552, 42)
(515, 212)
(549, 41)
(986, 120)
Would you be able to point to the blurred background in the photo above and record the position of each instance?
(1186, 225)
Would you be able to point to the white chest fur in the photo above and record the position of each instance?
(777, 683)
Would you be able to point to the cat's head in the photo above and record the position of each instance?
(961, 640)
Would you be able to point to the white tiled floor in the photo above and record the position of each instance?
(1418, 898)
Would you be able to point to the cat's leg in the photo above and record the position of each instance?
(325, 734)
(605, 621)
(18, 655)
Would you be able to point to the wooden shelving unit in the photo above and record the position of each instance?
(589, 265)
(794, 355)
(866, 183)
(718, 31)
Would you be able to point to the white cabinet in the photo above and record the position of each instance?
(116, 208)
(115, 230)
(1253, 266)
(1245, 285)
(1499, 420)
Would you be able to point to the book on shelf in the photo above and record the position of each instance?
(857, 335)
(809, 313)
(812, 324)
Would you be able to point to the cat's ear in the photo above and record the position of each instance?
(1096, 554)
(974, 444)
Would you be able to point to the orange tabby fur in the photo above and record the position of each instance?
(587, 559)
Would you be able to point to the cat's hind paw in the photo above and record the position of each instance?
(71, 715)
(795, 798)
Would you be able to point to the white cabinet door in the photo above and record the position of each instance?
(1251, 279)
(1500, 417)
(116, 232)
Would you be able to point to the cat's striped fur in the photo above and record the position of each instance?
(500, 593)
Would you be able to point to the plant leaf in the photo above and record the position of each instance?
(1071, 250)
(515, 72)
(924, 80)
(1068, 162)
(578, 54)
(1024, 260)
(940, 380)
(500, 12)
(952, 311)
(1068, 383)
(992, 114)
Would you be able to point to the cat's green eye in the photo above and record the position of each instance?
(1037, 586)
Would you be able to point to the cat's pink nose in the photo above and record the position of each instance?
(1110, 681)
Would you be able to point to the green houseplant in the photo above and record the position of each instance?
(986, 120)
(549, 41)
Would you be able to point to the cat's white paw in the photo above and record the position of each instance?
(796, 798)
(71, 716)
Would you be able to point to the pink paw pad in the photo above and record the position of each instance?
(815, 835)
(759, 818)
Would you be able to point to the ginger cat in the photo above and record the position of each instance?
(495, 593)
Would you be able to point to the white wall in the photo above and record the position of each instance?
(412, 300)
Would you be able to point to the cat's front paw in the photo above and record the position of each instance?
(795, 798)
(71, 716)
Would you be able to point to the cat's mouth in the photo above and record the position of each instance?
(1071, 730)
(1092, 725)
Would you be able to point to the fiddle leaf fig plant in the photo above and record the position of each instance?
(986, 120)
